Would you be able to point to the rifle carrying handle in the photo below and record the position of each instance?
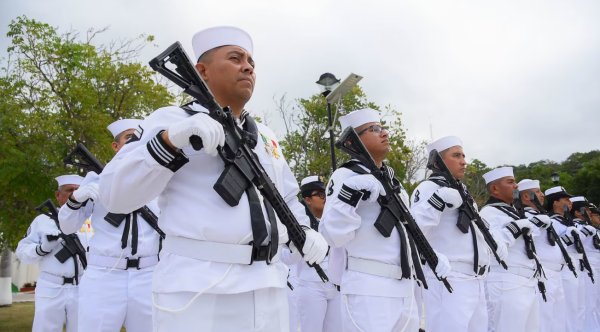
(196, 142)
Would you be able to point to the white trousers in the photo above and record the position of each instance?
(592, 301)
(55, 308)
(120, 298)
(552, 311)
(513, 310)
(318, 306)
(574, 289)
(379, 314)
(262, 310)
(462, 310)
(292, 294)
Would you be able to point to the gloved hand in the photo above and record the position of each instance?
(210, 131)
(315, 248)
(47, 245)
(525, 224)
(366, 182)
(502, 250)
(85, 192)
(451, 197)
(542, 221)
(571, 229)
(443, 267)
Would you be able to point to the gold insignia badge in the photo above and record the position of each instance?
(86, 227)
(270, 146)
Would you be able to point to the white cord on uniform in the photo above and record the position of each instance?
(109, 271)
(52, 297)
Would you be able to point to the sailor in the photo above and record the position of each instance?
(56, 293)
(512, 294)
(318, 302)
(116, 288)
(435, 208)
(376, 284)
(220, 267)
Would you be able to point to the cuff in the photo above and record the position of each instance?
(437, 202)
(567, 240)
(40, 252)
(350, 196)
(514, 229)
(73, 204)
(164, 154)
(585, 231)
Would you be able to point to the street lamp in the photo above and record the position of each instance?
(333, 91)
(555, 177)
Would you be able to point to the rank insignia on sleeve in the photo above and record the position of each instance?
(270, 146)
(417, 193)
(330, 190)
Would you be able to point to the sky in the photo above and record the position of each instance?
(517, 81)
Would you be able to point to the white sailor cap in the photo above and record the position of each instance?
(120, 126)
(311, 183)
(358, 118)
(69, 179)
(444, 143)
(497, 173)
(528, 184)
(580, 201)
(556, 193)
(207, 39)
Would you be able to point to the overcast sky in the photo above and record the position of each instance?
(517, 81)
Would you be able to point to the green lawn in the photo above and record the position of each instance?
(18, 317)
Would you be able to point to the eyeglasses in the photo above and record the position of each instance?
(377, 129)
(321, 194)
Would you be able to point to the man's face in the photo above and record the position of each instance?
(65, 191)
(229, 73)
(595, 219)
(558, 205)
(504, 188)
(316, 202)
(540, 195)
(122, 139)
(378, 145)
(455, 160)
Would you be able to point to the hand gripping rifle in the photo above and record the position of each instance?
(587, 219)
(529, 244)
(82, 157)
(242, 166)
(468, 213)
(72, 247)
(553, 235)
(577, 242)
(393, 210)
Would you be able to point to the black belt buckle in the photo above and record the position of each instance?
(68, 280)
(337, 287)
(261, 254)
(132, 263)
(482, 270)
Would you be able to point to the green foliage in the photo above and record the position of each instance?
(57, 91)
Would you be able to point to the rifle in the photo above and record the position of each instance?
(468, 213)
(82, 157)
(529, 244)
(394, 212)
(242, 166)
(552, 234)
(314, 223)
(587, 219)
(577, 242)
(72, 247)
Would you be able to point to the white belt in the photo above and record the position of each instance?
(374, 267)
(520, 271)
(56, 279)
(123, 263)
(552, 266)
(466, 268)
(212, 251)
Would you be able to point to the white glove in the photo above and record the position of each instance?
(569, 233)
(47, 245)
(451, 197)
(315, 248)
(525, 223)
(366, 182)
(443, 267)
(502, 250)
(210, 131)
(542, 221)
(88, 191)
(591, 229)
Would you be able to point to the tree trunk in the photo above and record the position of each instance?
(5, 277)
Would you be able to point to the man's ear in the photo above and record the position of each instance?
(307, 200)
(202, 70)
(56, 194)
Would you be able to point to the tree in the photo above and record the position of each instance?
(56, 91)
(475, 182)
(587, 181)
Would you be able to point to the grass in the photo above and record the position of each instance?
(19, 317)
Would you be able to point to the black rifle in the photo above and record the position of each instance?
(577, 242)
(82, 157)
(552, 234)
(394, 212)
(242, 166)
(314, 223)
(529, 244)
(72, 247)
(587, 219)
(467, 212)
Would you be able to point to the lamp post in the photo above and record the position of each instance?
(555, 177)
(333, 91)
